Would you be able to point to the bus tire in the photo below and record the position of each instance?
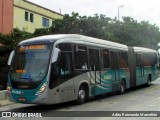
(82, 95)
(122, 87)
(149, 81)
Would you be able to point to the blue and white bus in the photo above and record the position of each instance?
(67, 67)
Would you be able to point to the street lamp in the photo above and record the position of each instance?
(118, 10)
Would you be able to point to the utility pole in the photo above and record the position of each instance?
(60, 11)
(119, 11)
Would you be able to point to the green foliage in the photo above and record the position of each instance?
(128, 31)
(41, 31)
(9, 43)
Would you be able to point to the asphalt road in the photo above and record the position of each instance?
(139, 99)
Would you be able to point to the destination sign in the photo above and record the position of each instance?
(33, 47)
(20, 71)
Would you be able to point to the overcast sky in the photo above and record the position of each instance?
(148, 10)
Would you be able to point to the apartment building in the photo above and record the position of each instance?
(25, 15)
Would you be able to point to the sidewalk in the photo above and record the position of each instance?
(4, 98)
(5, 102)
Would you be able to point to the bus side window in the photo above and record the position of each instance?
(61, 70)
(65, 60)
(97, 59)
(94, 59)
(153, 60)
(114, 60)
(65, 64)
(138, 60)
(106, 59)
(80, 57)
(123, 60)
(65, 47)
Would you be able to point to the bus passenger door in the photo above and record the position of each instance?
(115, 70)
(66, 89)
(95, 73)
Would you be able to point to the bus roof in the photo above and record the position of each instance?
(74, 38)
(40, 39)
(143, 50)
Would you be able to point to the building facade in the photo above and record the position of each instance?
(25, 15)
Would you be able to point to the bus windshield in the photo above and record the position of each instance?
(30, 63)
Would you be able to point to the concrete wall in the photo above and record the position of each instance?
(6, 16)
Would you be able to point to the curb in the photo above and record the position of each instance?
(5, 103)
(3, 95)
(4, 98)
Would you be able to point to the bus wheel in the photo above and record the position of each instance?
(149, 81)
(122, 87)
(81, 95)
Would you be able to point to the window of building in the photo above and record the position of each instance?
(31, 17)
(26, 16)
(45, 22)
(53, 24)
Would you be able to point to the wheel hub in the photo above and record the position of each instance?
(81, 94)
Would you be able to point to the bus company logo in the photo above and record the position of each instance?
(17, 92)
(23, 86)
(107, 77)
(6, 114)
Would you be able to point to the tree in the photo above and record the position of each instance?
(128, 31)
(9, 43)
(41, 31)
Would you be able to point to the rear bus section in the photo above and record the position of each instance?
(146, 65)
(143, 66)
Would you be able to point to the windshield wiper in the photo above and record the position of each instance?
(40, 75)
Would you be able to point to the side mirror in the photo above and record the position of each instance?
(11, 57)
(55, 55)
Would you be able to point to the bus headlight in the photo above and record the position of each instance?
(42, 89)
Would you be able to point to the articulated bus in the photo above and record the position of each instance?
(69, 67)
